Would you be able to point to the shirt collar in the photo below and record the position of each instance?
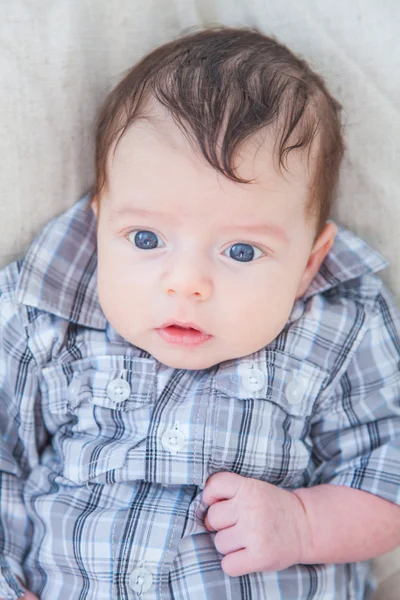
(349, 258)
(59, 272)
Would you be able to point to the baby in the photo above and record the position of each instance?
(199, 375)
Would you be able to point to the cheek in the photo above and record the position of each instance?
(114, 297)
(126, 307)
(262, 304)
(119, 267)
(122, 289)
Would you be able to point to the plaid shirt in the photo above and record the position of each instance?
(104, 453)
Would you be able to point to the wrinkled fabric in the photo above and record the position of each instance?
(90, 490)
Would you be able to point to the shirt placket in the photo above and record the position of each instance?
(146, 540)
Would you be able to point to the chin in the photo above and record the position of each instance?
(186, 359)
(187, 363)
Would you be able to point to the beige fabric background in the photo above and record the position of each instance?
(58, 58)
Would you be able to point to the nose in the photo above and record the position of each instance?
(188, 279)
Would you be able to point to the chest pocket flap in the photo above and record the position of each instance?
(261, 417)
(98, 410)
(290, 383)
(113, 382)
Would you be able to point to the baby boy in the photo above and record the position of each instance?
(199, 371)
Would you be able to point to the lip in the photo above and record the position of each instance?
(179, 333)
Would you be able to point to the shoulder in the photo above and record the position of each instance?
(9, 305)
(54, 285)
(14, 337)
(348, 292)
(364, 299)
(58, 275)
(345, 321)
(9, 279)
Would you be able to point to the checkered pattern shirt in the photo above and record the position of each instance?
(104, 452)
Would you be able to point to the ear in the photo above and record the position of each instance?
(320, 249)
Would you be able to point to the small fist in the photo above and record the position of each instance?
(259, 526)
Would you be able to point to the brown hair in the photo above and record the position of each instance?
(221, 85)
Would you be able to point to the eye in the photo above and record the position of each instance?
(244, 252)
(145, 240)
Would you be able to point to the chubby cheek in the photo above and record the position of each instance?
(113, 301)
(261, 312)
(122, 300)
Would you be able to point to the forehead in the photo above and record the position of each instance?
(154, 154)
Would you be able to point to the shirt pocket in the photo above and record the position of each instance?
(98, 410)
(262, 414)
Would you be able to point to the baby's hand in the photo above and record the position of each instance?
(260, 526)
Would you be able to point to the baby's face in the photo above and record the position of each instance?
(192, 267)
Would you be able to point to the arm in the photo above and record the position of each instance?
(19, 431)
(356, 447)
(346, 525)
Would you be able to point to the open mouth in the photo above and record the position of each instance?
(182, 334)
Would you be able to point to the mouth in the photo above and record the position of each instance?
(182, 334)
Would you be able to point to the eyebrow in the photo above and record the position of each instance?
(263, 229)
(138, 212)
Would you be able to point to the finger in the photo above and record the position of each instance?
(237, 563)
(207, 524)
(227, 541)
(221, 515)
(221, 486)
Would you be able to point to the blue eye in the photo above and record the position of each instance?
(145, 240)
(243, 252)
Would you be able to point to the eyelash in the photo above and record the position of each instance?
(254, 246)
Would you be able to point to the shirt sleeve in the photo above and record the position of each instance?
(19, 428)
(356, 430)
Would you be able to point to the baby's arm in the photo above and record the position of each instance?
(347, 525)
(265, 528)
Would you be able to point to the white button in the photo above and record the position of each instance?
(141, 580)
(118, 390)
(253, 380)
(173, 440)
(295, 391)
